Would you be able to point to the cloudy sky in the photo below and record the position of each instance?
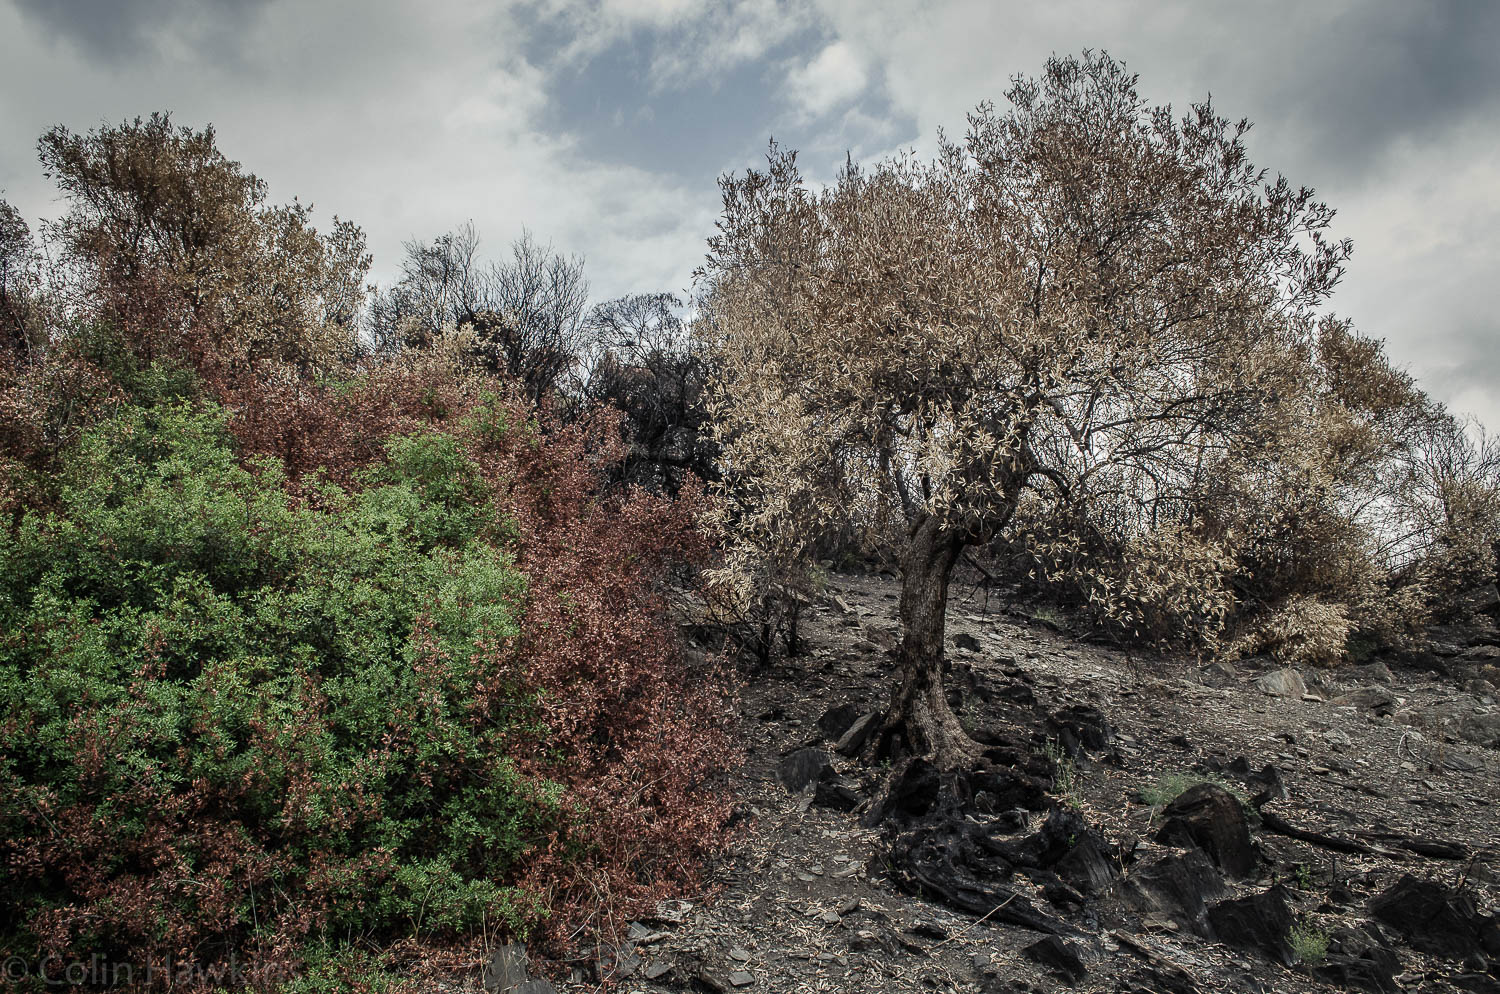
(601, 125)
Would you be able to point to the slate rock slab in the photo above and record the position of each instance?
(1057, 955)
(1082, 727)
(1211, 818)
(1179, 885)
(1282, 683)
(1256, 923)
(1432, 918)
(857, 735)
(1481, 729)
(836, 795)
(1087, 866)
(803, 767)
(507, 969)
(1376, 700)
(1358, 959)
(836, 721)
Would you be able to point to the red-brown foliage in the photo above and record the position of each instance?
(641, 743)
(635, 735)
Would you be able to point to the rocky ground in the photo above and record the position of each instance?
(1138, 825)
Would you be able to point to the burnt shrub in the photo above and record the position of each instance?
(645, 364)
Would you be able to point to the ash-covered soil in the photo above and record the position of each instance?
(1346, 838)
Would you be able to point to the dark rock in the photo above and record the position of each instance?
(1209, 817)
(1354, 973)
(1087, 866)
(1476, 983)
(1010, 750)
(1489, 937)
(1376, 672)
(1179, 885)
(507, 969)
(1460, 764)
(1269, 786)
(1081, 727)
(1266, 781)
(1358, 958)
(803, 767)
(1058, 892)
(857, 735)
(836, 721)
(1480, 729)
(1319, 682)
(835, 795)
(1062, 832)
(1447, 640)
(614, 963)
(1058, 955)
(1435, 848)
(1433, 661)
(1161, 979)
(929, 930)
(1218, 674)
(1431, 917)
(967, 642)
(965, 684)
(1376, 700)
(1364, 940)
(1016, 692)
(1257, 923)
(871, 941)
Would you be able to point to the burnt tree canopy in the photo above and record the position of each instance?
(1088, 298)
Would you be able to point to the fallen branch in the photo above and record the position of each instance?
(1431, 848)
(1281, 826)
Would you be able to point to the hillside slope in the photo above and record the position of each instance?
(1389, 775)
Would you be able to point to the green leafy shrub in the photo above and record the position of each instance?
(235, 721)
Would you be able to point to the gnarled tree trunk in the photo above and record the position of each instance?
(919, 708)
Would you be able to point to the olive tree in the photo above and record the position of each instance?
(1088, 299)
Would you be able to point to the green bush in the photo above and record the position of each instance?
(238, 720)
(1309, 943)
